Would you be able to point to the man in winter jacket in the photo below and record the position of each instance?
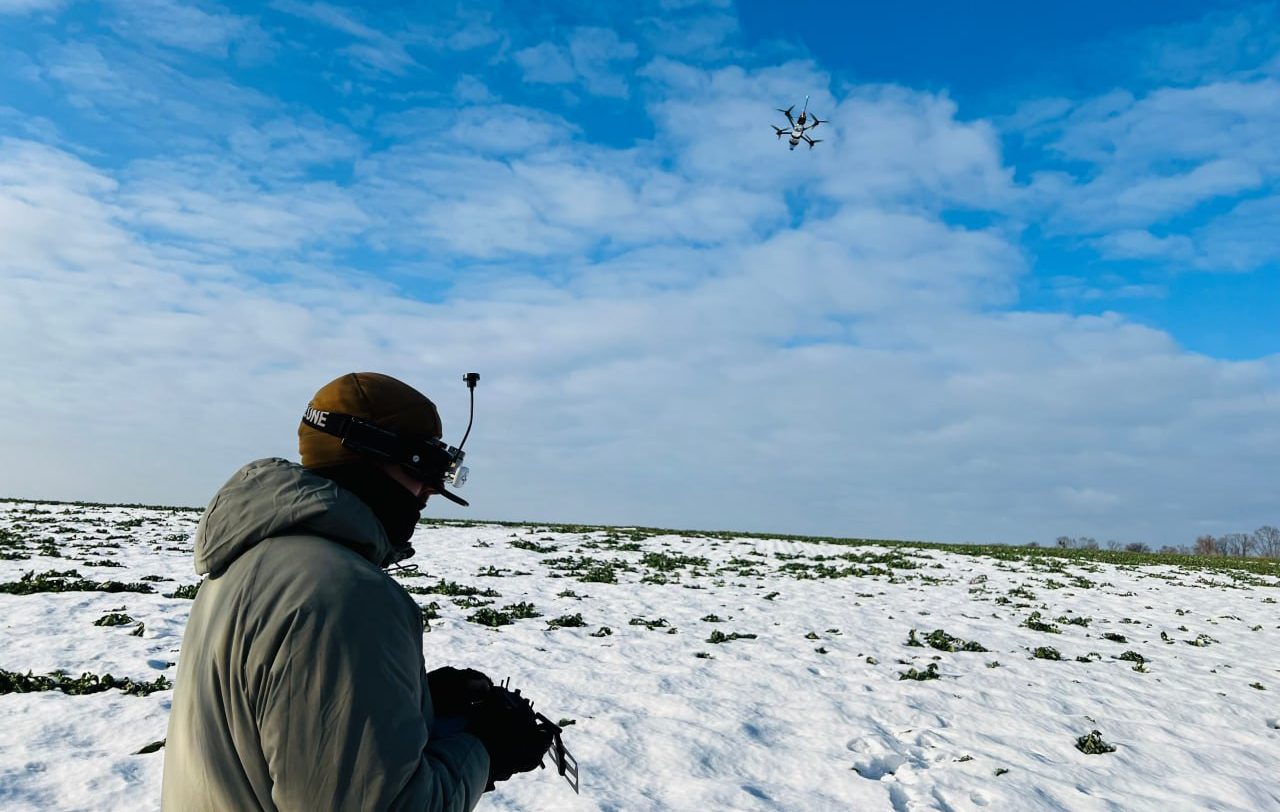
(300, 682)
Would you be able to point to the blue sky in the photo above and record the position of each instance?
(1026, 286)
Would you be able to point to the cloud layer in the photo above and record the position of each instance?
(687, 327)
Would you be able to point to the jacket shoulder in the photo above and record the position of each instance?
(319, 574)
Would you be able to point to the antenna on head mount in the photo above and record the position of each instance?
(471, 378)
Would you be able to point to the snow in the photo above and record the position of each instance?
(769, 723)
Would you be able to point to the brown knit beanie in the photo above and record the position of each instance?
(380, 399)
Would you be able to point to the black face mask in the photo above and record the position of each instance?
(396, 508)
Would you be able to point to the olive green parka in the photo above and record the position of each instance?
(300, 681)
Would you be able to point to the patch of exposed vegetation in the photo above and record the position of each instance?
(534, 546)
(566, 621)
(942, 641)
(187, 591)
(718, 636)
(1034, 623)
(67, 581)
(113, 619)
(931, 672)
(658, 623)
(453, 589)
(1093, 745)
(490, 617)
(671, 562)
(12, 682)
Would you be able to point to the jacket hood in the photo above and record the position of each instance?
(268, 497)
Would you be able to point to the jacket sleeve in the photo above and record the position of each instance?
(342, 718)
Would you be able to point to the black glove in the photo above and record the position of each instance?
(457, 691)
(505, 723)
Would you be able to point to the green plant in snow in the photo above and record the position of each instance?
(187, 591)
(12, 682)
(603, 631)
(521, 610)
(670, 562)
(1092, 744)
(914, 674)
(718, 636)
(1046, 653)
(67, 581)
(490, 617)
(599, 574)
(566, 621)
(659, 623)
(534, 546)
(113, 619)
(1115, 638)
(453, 589)
(1034, 623)
(942, 641)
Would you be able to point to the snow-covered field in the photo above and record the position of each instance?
(801, 705)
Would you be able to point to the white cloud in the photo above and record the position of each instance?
(1162, 156)
(374, 50)
(472, 90)
(545, 63)
(596, 53)
(133, 90)
(285, 145)
(702, 37)
(217, 205)
(1140, 244)
(27, 6)
(848, 374)
(1224, 42)
(180, 25)
(591, 56)
(1243, 239)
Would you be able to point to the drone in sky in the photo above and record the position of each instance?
(800, 126)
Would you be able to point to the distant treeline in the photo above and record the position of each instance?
(1261, 543)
